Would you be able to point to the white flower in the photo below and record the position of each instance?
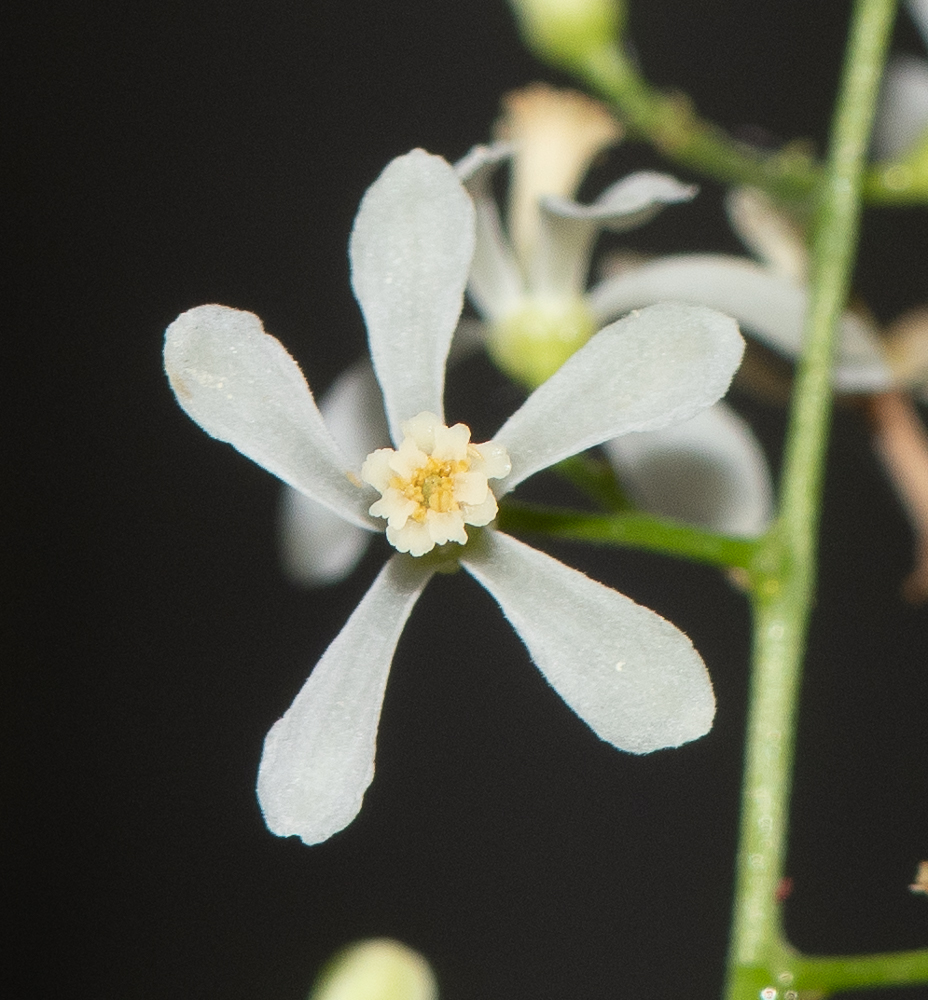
(527, 282)
(886, 369)
(629, 674)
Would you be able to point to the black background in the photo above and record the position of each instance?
(168, 154)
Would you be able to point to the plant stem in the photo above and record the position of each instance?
(672, 125)
(631, 530)
(826, 974)
(785, 569)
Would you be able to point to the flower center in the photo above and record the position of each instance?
(431, 487)
(434, 484)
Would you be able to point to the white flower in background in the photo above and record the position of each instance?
(630, 675)
(884, 370)
(902, 116)
(527, 282)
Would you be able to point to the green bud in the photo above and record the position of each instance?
(376, 970)
(531, 344)
(564, 31)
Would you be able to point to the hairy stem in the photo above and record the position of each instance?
(785, 570)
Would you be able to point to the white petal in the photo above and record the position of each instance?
(632, 677)
(470, 488)
(495, 285)
(411, 248)
(353, 411)
(768, 232)
(568, 230)
(918, 11)
(481, 513)
(902, 115)
(319, 758)
(709, 471)
(769, 305)
(241, 386)
(653, 368)
(413, 537)
(316, 546)
(444, 528)
(375, 469)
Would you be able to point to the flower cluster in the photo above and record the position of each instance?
(630, 675)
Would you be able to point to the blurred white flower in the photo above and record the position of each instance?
(630, 675)
(527, 282)
(887, 370)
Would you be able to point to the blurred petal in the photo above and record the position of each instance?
(902, 116)
(770, 306)
(469, 337)
(411, 248)
(768, 232)
(905, 342)
(653, 368)
(918, 11)
(353, 411)
(901, 442)
(495, 285)
(318, 760)
(568, 230)
(709, 471)
(241, 386)
(632, 677)
(316, 546)
(556, 135)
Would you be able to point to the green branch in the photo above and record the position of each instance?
(671, 125)
(844, 972)
(588, 41)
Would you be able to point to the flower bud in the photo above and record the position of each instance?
(564, 31)
(376, 970)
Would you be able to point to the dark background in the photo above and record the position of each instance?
(167, 154)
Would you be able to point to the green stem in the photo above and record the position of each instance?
(670, 123)
(826, 974)
(785, 581)
(640, 531)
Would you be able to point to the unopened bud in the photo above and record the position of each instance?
(376, 970)
(565, 31)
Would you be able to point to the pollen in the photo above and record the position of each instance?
(434, 484)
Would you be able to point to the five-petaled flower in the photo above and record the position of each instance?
(410, 251)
